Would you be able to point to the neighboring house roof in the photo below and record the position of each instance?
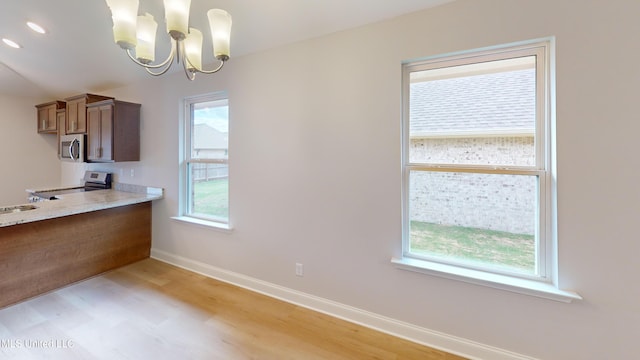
(496, 103)
(207, 137)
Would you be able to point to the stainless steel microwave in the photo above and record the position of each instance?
(72, 148)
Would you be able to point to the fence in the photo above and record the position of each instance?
(205, 172)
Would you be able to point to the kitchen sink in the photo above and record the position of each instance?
(17, 208)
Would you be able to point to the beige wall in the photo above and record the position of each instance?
(27, 159)
(315, 173)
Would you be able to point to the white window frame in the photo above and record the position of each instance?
(186, 198)
(545, 282)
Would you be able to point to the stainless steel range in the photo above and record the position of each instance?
(93, 180)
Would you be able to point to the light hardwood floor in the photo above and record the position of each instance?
(152, 310)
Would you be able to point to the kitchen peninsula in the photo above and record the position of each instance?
(73, 238)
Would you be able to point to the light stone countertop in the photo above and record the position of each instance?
(82, 202)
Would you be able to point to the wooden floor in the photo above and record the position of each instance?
(152, 310)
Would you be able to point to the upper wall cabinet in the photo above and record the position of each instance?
(48, 118)
(113, 131)
(76, 117)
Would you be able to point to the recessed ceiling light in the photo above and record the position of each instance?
(11, 43)
(35, 27)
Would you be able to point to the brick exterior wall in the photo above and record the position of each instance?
(496, 202)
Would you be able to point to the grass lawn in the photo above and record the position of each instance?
(212, 197)
(508, 250)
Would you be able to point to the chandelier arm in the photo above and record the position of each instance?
(167, 63)
(214, 70)
(157, 66)
(182, 56)
(189, 73)
(160, 72)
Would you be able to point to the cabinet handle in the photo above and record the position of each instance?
(44, 123)
(73, 126)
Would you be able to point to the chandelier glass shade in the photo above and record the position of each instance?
(136, 34)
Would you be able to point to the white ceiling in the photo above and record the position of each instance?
(78, 53)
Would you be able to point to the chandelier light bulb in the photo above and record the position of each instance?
(193, 49)
(146, 35)
(125, 16)
(177, 15)
(220, 23)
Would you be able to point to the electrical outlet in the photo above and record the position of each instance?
(299, 269)
(133, 173)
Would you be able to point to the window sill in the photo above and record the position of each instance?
(503, 282)
(206, 223)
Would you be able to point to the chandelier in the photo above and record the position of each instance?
(137, 36)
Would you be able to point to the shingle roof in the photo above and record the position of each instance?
(206, 137)
(503, 101)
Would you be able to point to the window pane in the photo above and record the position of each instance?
(481, 114)
(487, 220)
(210, 130)
(209, 184)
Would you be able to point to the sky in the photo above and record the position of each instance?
(215, 116)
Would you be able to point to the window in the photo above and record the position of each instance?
(205, 182)
(478, 160)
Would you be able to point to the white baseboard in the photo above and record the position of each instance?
(434, 339)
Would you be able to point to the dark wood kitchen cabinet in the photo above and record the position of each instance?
(47, 116)
(113, 131)
(76, 116)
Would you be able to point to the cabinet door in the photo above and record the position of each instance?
(52, 125)
(76, 116)
(106, 132)
(43, 116)
(47, 119)
(93, 134)
(100, 133)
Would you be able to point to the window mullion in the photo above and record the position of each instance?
(477, 169)
(208, 161)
